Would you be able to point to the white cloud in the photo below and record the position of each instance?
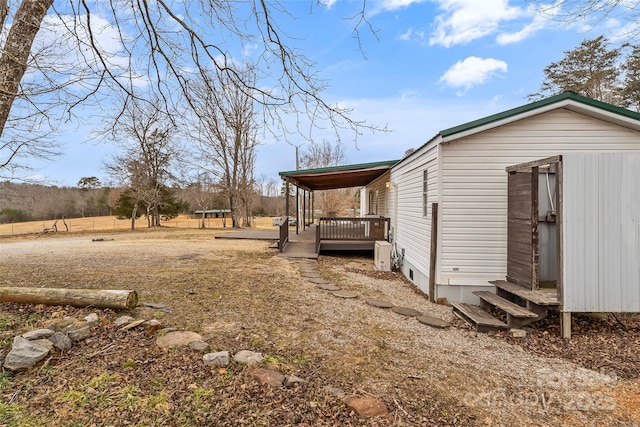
(377, 7)
(472, 71)
(540, 21)
(468, 20)
(536, 25)
(328, 3)
(411, 35)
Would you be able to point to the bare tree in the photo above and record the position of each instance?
(90, 50)
(323, 154)
(145, 167)
(326, 154)
(226, 137)
(201, 192)
(594, 13)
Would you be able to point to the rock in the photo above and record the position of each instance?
(518, 333)
(336, 392)
(406, 311)
(379, 303)
(269, 377)
(345, 294)
(152, 326)
(155, 305)
(92, 319)
(78, 331)
(38, 334)
(123, 320)
(177, 338)
(220, 358)
(247, 357)
(292, 380)
(133, 324)
(433, 322)
(367, 407)
(198, 346)
(60, 341)
(44, 343)
(61, 324)
(24, 354)
(167, 330)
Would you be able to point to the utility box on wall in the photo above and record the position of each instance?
(382, 255)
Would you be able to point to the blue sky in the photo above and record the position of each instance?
(431, 64)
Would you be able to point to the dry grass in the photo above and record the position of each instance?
(111, 223)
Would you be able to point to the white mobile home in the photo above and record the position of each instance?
(463, 171)
(531, 209)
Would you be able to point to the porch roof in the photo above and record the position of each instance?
(337, 176)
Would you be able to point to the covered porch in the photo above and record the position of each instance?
(329, 232)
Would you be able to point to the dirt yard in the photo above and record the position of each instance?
(240, 295)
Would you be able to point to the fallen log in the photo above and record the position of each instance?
(117, 299)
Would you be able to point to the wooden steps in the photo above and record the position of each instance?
(477, 317)
(517, 316)
(520, 305)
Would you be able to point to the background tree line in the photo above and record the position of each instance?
(36, 202)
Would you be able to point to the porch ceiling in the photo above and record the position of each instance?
(337, 176)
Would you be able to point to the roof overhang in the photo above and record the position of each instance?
(337, 176)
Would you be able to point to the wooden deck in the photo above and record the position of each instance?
(301, 245)
(305, 245)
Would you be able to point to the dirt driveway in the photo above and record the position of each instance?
(240, 295)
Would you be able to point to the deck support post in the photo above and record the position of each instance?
(297, 209)
(286, 198)
(313, 199)
(565, 324)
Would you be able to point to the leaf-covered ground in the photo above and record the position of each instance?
(240, 295)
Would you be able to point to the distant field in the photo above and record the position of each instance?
(111, 223)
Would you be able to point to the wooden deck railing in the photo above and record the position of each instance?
(352, 229)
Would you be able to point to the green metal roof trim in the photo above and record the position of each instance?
(538, 104)
(342, 168)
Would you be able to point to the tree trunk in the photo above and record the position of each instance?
(233, 204)
(116, 299)
(17, 47)
(133, 216)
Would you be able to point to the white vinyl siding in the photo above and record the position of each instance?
(377, 193)
(473, 204)
(412, 228)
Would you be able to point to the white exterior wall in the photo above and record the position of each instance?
(376, 197)
(473, 199)
(411, 230)
(601, 221)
